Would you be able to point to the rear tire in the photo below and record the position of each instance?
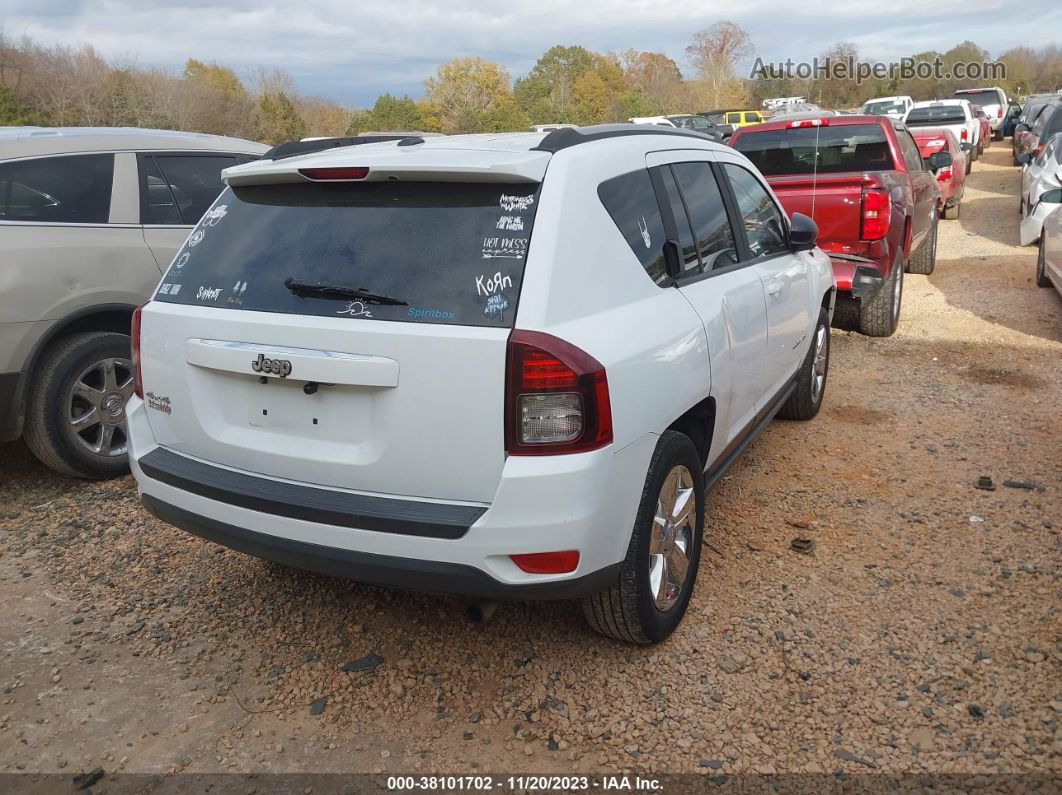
(805, 402)
(925, 259)
(880, 315)
(631, 609)
(1041, 265)
(75, 417)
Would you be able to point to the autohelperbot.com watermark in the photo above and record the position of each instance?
(849, 68)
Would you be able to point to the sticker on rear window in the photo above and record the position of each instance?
(208, 293)
(488, 285)
(496, 306)
(355, 309)
(181, 260)
(510, 203)
(215, 215)
(510, 223)
(196, 237)
(504, 247)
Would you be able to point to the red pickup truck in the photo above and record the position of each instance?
(876, 203)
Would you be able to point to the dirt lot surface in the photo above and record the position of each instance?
(922, 635)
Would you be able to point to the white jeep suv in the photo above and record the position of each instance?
(505, 366)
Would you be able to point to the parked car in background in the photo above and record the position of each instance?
(89, 218)
(1046, 125)
(984, 135)
(992, 100)
(1041, 179)
(955, 115)
(685, 121)
(1049, 255)
(1010, 119)
(549, 127)
(1023, 138)
(863, 181)
(571, 432)
(776, 103)
(944, 156)
(806, 112)
(893, 107)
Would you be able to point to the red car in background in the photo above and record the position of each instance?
(984, 140)
(876, 203)
(947, 160)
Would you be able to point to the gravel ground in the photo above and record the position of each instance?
(922, 635)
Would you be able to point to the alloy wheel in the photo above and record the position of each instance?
(822, 354)
(672, 537)
(96, 407)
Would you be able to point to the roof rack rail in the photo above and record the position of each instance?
(293, 148)
(557, 140)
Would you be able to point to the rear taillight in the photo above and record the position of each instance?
(548, 562)
(876, 215)
(944, 174)
(556, 397)
(999, 113)
(964, 134)
(134, 344)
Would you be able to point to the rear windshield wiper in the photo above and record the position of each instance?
(321, 290)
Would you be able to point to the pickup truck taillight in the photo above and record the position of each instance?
(999, 112)
(944, 174)
(556, 397)
(965, 134)
(876, 214)
(134, 344)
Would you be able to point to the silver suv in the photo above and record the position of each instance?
(89, 218)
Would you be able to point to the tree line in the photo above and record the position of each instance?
(76, 86)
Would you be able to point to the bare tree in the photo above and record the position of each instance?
(716, 53)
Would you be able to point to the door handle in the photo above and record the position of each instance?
(774, 286)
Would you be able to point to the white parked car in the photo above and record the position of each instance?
(664, 121)
(893, 107)
(1041, 177)
(952, 114)
(89, 218)
(1049, 257)
(495, 365)
(993, 102)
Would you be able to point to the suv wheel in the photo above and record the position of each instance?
(804, 403)
(650, 595)
(879, 316)
(1041, 265)
(925, 259)
(75, 420)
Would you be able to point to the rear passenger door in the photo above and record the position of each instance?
(786, 277)
(726, 293)
(923, 187)
(176, 188)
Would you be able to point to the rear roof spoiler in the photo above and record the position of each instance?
(293, 148)
(567, 137)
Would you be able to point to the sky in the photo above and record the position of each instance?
(351, 51)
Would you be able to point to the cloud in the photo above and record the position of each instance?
(352, 51)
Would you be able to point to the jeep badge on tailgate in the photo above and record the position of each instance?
(281, 367)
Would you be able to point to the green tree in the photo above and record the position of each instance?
(464, 91)
(212, 75)
(277, 120)
(389, 113)
(12, 112)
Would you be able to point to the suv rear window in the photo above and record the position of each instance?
(851, 147)
(935, 116)
(453, 252)
(981, 98)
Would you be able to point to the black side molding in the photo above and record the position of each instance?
(409, 573)
(310, 503)
(566, 137)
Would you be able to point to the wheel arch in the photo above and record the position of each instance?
(102, 317)
(698, 423)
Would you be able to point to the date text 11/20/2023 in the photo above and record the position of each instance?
(528, 783)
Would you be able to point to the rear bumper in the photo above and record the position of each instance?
(407, 573)
(585, 501)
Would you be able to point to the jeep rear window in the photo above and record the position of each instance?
(981, 98)
(850, 147)
(453, 252)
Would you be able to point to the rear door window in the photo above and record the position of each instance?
(631, 203)
(431, 252)
(909, 149)
(822, 150)
(73, 189)
(178, 189)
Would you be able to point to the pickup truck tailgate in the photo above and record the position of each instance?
(831, 200)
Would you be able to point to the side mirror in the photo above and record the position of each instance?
(1024, 159)
(939, 160)
(803, 232)
(966, 147)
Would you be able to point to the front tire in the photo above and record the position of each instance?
(925, 259)
(1041, 265)
(650, 595)
(879, 315)
(75, 417)
(805, 402)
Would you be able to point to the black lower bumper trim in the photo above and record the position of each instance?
(408, 573)
(310, 503)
